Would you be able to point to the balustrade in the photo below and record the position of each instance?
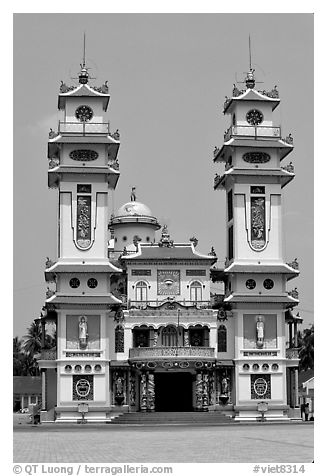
(157, 352)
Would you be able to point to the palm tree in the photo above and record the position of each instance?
(32, 344)
(18, 356)
(306, 345)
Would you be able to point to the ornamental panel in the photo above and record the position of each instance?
(195, 272)
(260, 387)
(83, 155)
(83, 233)
(258, 223)
(256, 157)
(83, 387)
(168, 282)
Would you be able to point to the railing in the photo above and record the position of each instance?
(48, 354)
(84, 128)
(292, 353)
(157, 352)
(144, 304)
(252, 131)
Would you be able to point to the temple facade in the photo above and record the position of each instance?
(138, 326)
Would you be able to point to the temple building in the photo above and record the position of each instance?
(138, 326)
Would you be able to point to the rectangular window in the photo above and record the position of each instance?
(230, 205)
(256, 189)
(33, 399)
(141, 272)
(230, 242)
(84, 188)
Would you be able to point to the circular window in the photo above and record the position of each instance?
(97, 368)
(275, 367)
(255, 367)
(68, 368)
(87, 368)
(74, 283)
(77, 368)
(147, 238)
(265, 367)
(246, 367)
(268, 283)
(92, 283)
(254, 117)
(250, 284)
(124, 238)
(84, 113)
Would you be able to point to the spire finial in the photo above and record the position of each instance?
(250, 80)
(133, 194)
(250, 52)
(83, 76)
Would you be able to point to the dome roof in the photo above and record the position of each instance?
(133, 209)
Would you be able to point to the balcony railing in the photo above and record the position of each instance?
(48, 354)
(252, 132)
(144, 304)
(83, 128)
(292, 353)
(164, 352)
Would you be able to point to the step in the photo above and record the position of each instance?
(161, 418)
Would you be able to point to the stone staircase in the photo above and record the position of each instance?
(173, 418)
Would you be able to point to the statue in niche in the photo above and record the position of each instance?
(82, 331)
(224, 386)
(119, 389)
(260, 330)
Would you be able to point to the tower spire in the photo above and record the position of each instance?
(250, 80)
(83, 76)
(250, 52)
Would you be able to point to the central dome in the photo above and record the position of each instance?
(133, 208)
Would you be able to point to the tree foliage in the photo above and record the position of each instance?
(306, 346)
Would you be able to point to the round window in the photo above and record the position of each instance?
(246, 367)
(255, 367)
(254, 117)
(265, 367)
(250, 284)
(92, 283)
(87, 368)
(268, 283)
(84, 113)
(124, 238)
(68, 368)
(74, 283)
(97, 368)
(77, 368)
(275, 367)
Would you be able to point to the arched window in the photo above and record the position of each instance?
(169, 336)
(119, 339)
(196, 291)
(222, 339)
(141, 291)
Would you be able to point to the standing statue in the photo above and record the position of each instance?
(224, 386)
(82, 334)
(260, 328)
(133, 195)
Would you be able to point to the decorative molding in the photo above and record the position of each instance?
(256, 157)
(83, 155)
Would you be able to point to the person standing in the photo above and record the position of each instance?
(306, 411)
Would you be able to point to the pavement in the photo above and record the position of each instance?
(239, 443)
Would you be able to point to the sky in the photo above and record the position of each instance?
(168, 76)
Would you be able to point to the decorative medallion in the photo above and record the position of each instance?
(84, 113)
(87, 368)
(92, 283)
(168, 282)
(77, 368)
(246, 367)
(83, 155)
(250, 284)
(265, 367)
(254, 117)
(255, 367)
(257, 190)
(97, 368)
(184, 364)
(198, 365)
(275, 367)
(258, 223)
(256, 157)
(68, 368)
(151, 365)
(83, 221)
(74, 283)
(268, 283)
(83, 387)
(260, 386)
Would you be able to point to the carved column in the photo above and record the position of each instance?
(211, 389)
(44, 389)
(296, 388)
(186, 338)
(155, 337)
(143, 393)
(151, 392)
(198, 391)
(205, 391)
(132, 393)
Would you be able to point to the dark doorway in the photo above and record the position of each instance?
(173, 392)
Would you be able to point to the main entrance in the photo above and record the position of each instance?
(173, 392)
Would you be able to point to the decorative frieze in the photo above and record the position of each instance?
(83, 234)
(258, 223)
(256, 157)
(83, 155)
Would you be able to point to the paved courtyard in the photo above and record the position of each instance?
(286, 443)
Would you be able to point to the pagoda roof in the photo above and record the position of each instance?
(177, 251)
(262, 268)
(252, 95)
(83, 90)
(261, 143)
(285, 176)
(261, 298)
(79, 267)
(83, 299)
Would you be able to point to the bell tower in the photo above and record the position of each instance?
(83, 167)
(256, 274)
